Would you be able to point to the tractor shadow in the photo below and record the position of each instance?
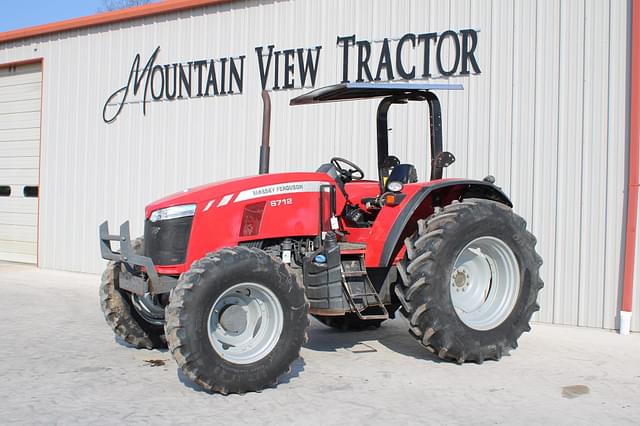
(119, 340)
(393, 335)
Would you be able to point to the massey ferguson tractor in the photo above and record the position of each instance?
(227, 273)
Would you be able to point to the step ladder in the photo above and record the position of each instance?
(354, 274)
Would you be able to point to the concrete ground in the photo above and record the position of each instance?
(60, 364)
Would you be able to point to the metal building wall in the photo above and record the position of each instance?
(547, 116)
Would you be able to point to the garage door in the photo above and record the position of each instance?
(19, 160)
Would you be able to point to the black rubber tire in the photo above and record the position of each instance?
(426, 271)
(188, 311)
(349, 322)
(120, 313)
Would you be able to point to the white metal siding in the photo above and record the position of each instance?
(547, 117)
(20, 89)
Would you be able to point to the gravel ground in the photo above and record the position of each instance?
(61, 365)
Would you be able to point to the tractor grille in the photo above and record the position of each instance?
(166, 241)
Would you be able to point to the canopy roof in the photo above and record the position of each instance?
(353, 91)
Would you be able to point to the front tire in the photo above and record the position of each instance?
(139, 321)
(236, 320)
(470, 280)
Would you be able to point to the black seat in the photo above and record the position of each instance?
(330, 169)
(327, 168)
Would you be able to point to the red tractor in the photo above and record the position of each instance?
(227, 273)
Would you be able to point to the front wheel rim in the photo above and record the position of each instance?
(485, 283)
(245, 323)
(149, 308)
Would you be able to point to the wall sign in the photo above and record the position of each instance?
(407, 58)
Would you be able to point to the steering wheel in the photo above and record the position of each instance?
(352, 173)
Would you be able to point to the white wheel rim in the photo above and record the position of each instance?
(485, 283)
(245, 323)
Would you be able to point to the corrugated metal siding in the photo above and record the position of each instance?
(547, 117)
(616, 150)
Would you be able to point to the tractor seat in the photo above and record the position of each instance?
(403, 173)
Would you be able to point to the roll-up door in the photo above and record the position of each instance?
(20, 92)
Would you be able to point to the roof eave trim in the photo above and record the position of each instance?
(104, 18)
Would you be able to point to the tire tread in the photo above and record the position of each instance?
(422, 259)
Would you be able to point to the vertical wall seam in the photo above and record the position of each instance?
(489, 164)
(555, 243)
(606, 168)
(582, 124)
(535, 112)
(449, 102)
(468, 81)
(513, 71)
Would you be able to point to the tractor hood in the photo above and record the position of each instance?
(227, 191)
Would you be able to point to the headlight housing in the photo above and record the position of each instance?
(394, 186)
(173, 212)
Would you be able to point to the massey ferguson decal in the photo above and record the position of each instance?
(280, 188)
(411, 56)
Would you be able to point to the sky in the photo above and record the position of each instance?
(16, 14)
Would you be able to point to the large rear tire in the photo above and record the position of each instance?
(236, 320)
(470, 280)
(139, 321)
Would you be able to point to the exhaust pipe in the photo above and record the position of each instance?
(266, 129)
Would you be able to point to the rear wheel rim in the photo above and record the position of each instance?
(245, 323)
(149, 308)
(485, 283)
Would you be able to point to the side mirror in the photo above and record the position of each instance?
(444, 159)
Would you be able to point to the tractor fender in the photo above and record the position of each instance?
(423, 201)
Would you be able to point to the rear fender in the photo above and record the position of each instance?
(422, 204)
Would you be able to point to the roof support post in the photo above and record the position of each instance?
(382, 135)
(435, 123)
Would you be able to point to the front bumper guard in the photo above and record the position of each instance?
(156, 284)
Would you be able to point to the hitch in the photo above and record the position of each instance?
(128, 257)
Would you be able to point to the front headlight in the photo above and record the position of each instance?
(394, 186)
(173, 212)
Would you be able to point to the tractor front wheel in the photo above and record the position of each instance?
(138, 320)
(470, 280)
(236, 320)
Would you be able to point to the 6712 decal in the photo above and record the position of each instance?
(281, 202)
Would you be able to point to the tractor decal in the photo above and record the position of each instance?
(208, 206)
(288, 188)
(225, 200)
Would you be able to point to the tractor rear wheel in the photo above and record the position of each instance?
(470, 280)
(348, 322)
(138, 320)
(236, 320)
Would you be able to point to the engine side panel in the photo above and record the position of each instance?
(261, 207)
